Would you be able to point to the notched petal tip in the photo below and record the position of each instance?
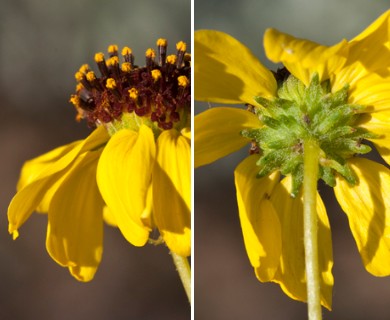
(15, 234)
(49, 169)
(82, 274)
(75, 231)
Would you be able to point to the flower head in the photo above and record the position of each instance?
(133, 170)
(336, 96)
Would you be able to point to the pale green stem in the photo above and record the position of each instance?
(310, 224)
(184, 270)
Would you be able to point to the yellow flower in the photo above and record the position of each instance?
(338, 96)
(133, 169)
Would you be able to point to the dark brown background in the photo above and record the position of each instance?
(225, 285)
(42, 44)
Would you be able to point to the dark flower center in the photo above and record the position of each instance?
(160, 90)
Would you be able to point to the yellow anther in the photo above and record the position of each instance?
(84, 68)
(187, 57)
(156, 74)
(126, 66)
(172, 59)
(150, 53)
(126, 51)
(90, 76)
(133, 93)
(112, 49)
(181, 46)
(162, 42)
(79, 76)
(113, 61)
(111, 84)
(79, 115)
(99, 57)
(75, 100)
(183, 81)
(79, 86)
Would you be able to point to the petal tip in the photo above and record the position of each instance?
(15, 234)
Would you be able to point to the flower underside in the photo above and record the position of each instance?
(299, 113)
(159, 93)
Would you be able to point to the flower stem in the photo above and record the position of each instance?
(184, 270)
(310, 224)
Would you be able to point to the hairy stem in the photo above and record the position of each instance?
(184, 270)
(310, 224)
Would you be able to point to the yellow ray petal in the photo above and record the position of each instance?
(302, 57)
(367, 206)
(108, 217)
(379, 124)
(291, 273)
(83, 273)
(226, 71)
(124, 174)
(368, 52)
(380, 25)
(147, 215)
(217, 133)
(259, 222)
(32, 168)
(172, 191)
(32, 194)
(372, 91)
(371, 47)
(44, 205)
(186, 132)
(75, 221)
(350, 74)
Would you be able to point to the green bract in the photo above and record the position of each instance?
(299, 113)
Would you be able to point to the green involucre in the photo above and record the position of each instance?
(300, 113)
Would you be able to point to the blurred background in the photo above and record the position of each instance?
(42, 44)
(225, 284)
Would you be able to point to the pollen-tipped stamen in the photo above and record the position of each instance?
(101, 62)
(150, 55)
(112, 50)
(162, 51)
(159, 92)
(181, 50)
